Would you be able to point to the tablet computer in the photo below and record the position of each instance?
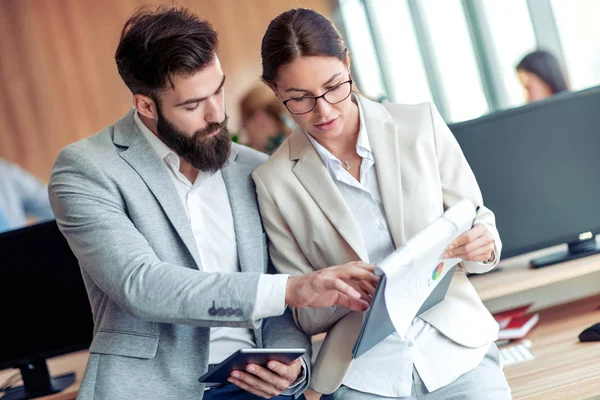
(243, 357)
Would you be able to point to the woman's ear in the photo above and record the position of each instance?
(347, 62)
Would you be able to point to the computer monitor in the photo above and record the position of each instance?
(538, 167)
(43, 304)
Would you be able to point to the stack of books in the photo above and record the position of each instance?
(515, 323)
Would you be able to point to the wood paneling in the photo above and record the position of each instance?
(59, 82)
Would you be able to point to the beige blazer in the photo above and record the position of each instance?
(421, 171)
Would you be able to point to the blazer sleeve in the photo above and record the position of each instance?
(92, 215)
(288, 258)
(458, 182)
(282, 332)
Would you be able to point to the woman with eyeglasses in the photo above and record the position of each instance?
(354, 181)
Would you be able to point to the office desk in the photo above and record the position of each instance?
(563, 367)
(515, 275)
(58, 366)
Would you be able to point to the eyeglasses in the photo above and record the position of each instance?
(305, 104)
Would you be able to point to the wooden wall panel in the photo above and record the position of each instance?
(58, 79)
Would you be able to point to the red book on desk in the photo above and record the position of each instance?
(504, 317)
(519, 327)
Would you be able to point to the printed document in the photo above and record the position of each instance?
(414, 277)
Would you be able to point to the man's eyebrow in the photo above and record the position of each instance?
(308, 91)
(198, 100)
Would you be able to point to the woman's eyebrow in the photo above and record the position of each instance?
(308, 91)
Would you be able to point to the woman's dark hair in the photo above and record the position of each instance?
(296, 33)
(547, 68)
(160, 42)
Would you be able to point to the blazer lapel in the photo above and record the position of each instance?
(142, 158)
(315, 178)
(246, 216)
(383, 137)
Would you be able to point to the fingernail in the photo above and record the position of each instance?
(272, 365)
(251, 369)
(235, 375)
(229, 380)
(445, 255)
(450, 247)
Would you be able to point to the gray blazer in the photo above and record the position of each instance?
(118, 208)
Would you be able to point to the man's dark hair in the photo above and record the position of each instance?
(159, 43)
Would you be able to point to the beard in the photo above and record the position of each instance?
(206, 153)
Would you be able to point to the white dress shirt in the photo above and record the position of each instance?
(206, 203)
(386, 369)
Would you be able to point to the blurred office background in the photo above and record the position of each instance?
(60, 84)
(462, 54)
(59, 78)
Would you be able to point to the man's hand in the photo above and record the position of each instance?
(365, 288)
(476, 244)
(264, 382)
(333, 286)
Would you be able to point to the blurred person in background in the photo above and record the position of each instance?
(22, 196)
(541, 75)
(265, 122)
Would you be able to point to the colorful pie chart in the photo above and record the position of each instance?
(437, 271)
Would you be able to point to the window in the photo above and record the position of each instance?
(462, 54)
(511, 30)
(579, 30)
(365, 64)
(460, 80)
(399, 51)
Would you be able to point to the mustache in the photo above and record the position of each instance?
(212, 128)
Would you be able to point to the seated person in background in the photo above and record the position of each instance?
(22, 195)
(265, 121)
(541, 76)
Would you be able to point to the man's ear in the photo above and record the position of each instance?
(145, 106)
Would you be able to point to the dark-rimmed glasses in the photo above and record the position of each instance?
(305, 104)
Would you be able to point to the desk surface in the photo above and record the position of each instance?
(563, 366)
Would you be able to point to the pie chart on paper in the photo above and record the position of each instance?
(437, 271)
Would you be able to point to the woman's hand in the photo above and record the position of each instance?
(476, 244)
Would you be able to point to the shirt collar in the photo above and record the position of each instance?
(363, 146)
(162, 150)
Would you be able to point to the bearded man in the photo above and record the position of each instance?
(160, 210)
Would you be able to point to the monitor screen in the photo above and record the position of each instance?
(538, 167)
(45, 309)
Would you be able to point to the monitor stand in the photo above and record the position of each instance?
(37, 382)
(576, 250)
